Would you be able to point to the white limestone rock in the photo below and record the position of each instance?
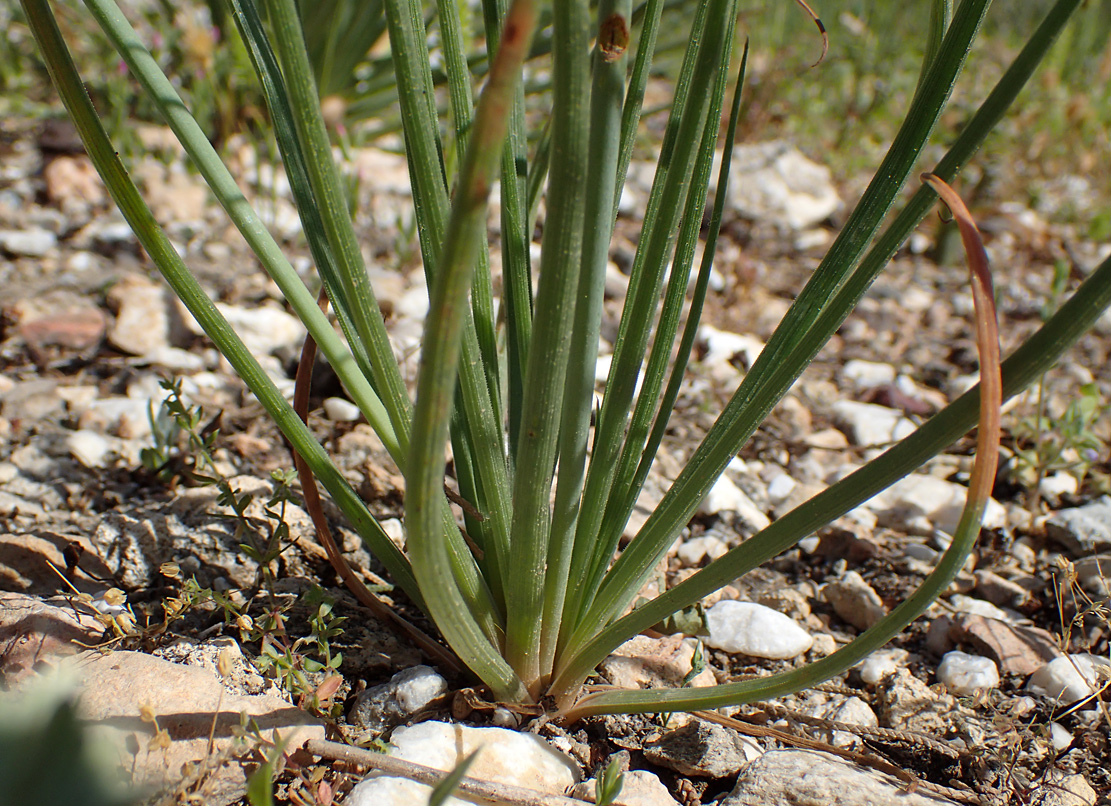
(506, 757)
(752, 629)
(725, 496)
(1069, 678)
(919, 504)
(882, 663)
(777, 183)
(870, 425)
(962, 674)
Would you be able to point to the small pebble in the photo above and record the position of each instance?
(963, 674)
(780, 488)
(693, 551)
(1059, 737)
(340, 410)
(752, 629)
(881, 664)
(978, 607)
(89, 448)
(868, 374)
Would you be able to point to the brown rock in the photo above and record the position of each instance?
(1017, 650)
(75, 329)
(25, 561)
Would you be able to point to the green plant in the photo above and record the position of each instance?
(526, 591)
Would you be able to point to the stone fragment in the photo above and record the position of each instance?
(854, 600)
(867, 374)
(725, 496)
(1053, 488)
(977, 607)
(390, 704)
(870, 425)
(693, 551)
(89, 448)
(1062, 789)
(1000, 591)
(701, 749)
(646, 662)
(963, 674)
(729, 351)
(72, 182)
(78, 329)
(1069, 678)
(752, 629)
(882, 663)
(638, 788)
(506, 757)
(144, 316)
(919, 504)
(265, 330)
(775, 183)
(780, 488)
(189, 703)
(341, 410)
(33, 632)
(847, 710)
(804, 778)
(905, 702)
(25, 561)
(1082, 530)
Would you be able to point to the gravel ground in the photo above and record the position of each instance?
(88, 333)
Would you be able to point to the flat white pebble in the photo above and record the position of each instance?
(977, 607)
(963, 674)
(755, 630)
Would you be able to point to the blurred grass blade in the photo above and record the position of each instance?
(941, 13)
(634, 97)
(247, 21)
(950, 563)
(154, 241)
(439, 362)
(332, 203)
(338, 35)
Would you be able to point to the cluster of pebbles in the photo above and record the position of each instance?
(1005, 671)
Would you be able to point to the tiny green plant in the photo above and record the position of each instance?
(526, 580)
(609, 784)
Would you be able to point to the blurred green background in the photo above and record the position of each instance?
(842, 112)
